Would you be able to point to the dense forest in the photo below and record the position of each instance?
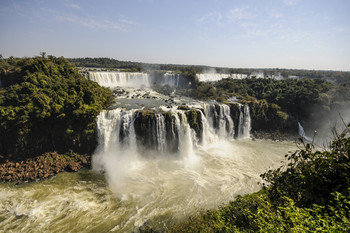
(46, 105)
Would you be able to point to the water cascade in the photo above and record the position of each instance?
(212, 77)
(219, 118)
(302, 133)
(167, 130)
(170, 79)
(119, 79)
(244, 122)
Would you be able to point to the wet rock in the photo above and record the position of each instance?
(41, 167)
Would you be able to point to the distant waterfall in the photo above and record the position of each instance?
(170, 79)
(211, 77)
(119, 79)
(302, 133)
(216, 77)
(244, 122)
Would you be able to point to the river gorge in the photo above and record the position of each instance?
(159, 159)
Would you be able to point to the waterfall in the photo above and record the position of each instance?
(160, 132)
(170, 79)
(208, 132)
(244, 122)
(211, 77)
(185, 135)
(219, 118)
(168, 130)
(216, 77)
(302, 133)
(119, 79)
(226, 127)
(115, 129)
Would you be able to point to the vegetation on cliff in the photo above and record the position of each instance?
(46, 105)
(310, 192)
(282, 102)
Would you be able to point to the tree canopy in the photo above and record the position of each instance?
(43, 100)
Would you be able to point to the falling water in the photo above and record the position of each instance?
(170, 79)
(159, 132)
(226, 127)
(212, 77)
(302, 133)
(119, 79)
(244, 122)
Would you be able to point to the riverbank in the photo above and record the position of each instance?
(41, 167)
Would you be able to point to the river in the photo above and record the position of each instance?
(155, 191)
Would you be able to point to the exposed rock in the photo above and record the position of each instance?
(44, 166)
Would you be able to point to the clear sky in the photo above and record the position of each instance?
(303, 34)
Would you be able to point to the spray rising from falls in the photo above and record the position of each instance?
(170, 130)
(161, 164)
(119, 79)
(170, 79)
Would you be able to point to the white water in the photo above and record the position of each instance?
(170, 79)
(158, 191)
(119, 79)
(244, 122)
(302, 133)
(213, 77)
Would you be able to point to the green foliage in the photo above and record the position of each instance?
(294, 96)
(43, 99)
(310, 194)
(310, 176)
(233, 217)
(268, 117)
(290, 218)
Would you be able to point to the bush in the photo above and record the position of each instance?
(311, 176)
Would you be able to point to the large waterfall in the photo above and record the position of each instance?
(119, 79)
(169, 130)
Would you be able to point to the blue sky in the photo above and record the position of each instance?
(303, 34)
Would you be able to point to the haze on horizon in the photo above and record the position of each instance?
(297, 34)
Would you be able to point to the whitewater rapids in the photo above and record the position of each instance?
(157, 192)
